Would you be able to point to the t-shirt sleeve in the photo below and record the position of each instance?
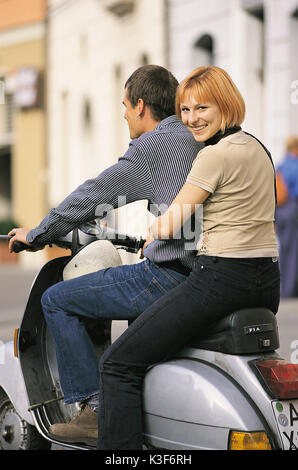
(207, 170)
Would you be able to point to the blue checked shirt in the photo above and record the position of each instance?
(154, 167)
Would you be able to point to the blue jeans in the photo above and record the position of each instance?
(215, 288)
(120, 293)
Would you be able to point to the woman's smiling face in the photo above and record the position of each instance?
(202, 119)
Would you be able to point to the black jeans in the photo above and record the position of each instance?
(215, 288)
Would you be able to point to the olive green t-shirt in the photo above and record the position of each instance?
(238, 215)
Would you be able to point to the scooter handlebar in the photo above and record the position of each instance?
(129, 243)
(17, 246)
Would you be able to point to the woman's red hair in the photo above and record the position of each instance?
(214, 85)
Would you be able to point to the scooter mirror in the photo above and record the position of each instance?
(91, 228)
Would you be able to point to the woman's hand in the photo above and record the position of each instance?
(19, 235)
(147, 242)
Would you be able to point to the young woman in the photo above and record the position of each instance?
(236, 266)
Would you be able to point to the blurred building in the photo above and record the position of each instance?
(93, 47)
(22, 111)
(256, 41)
(88, 48)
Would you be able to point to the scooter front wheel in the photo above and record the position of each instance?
(15, 432)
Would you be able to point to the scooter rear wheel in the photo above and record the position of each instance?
(15, 432)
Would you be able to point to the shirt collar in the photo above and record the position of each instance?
(165, 122)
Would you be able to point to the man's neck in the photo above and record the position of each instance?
(150, 125)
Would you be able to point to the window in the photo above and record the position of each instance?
(253, 67)
(254, 7)
(5, 182)
(120, 7)
(144, 59)
(258, 13)
(2, 91)
(203, 51)
(87, 115)
(9, 112)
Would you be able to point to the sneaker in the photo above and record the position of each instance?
(83, 428)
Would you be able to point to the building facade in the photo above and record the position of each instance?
(88, 48)
(22, 111)
(94, 46)
(256, 41)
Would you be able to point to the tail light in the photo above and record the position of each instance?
(239, 440)
(280, 376)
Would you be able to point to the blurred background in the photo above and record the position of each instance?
(63, 66)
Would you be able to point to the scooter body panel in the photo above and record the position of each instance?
(98, 255)
(239, 369)
(12, 381)
(190, 404)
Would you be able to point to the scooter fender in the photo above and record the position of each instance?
(189, 404)
(12, 382)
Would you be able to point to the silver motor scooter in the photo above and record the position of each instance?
(228, 390)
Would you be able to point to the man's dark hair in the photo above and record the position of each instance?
(157, 88)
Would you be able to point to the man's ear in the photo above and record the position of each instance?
(141, 107)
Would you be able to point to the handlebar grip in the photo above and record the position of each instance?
(129, 243)
(19, 246)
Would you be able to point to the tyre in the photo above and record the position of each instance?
(15, 432)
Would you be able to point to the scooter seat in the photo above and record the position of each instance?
(247, 331)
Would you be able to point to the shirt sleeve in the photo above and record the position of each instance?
(207, 170)
(127, 181)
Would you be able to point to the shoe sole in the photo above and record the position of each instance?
(87, 441)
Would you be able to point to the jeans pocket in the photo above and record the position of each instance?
(232, 279)
(153, 291)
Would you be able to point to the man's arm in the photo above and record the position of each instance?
(129, 178)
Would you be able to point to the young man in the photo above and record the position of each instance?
(154, 167)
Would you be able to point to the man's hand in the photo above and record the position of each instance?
(19, 235)
(147, 242)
